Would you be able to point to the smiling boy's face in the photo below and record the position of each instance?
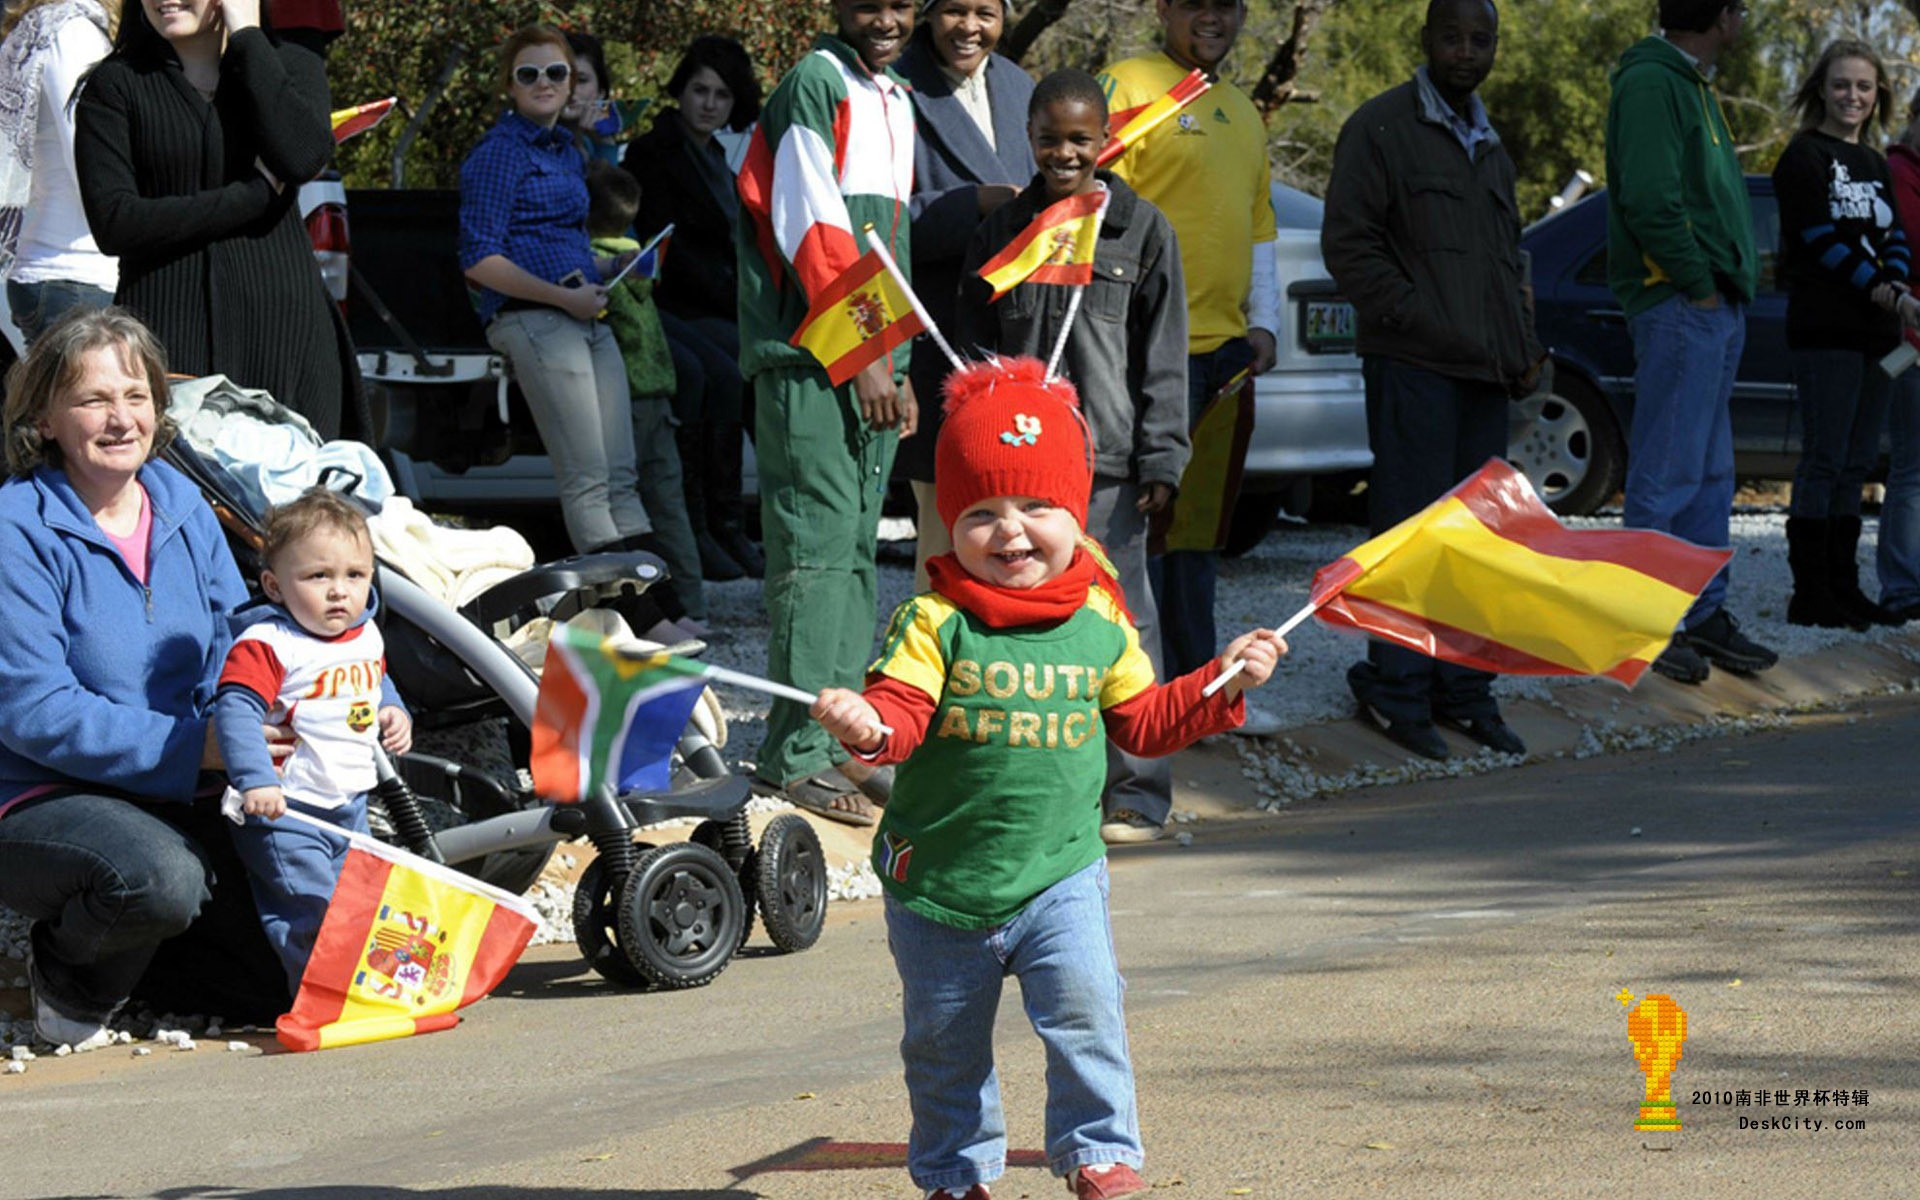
(876, 29)
(1067, 136)
(1015, 541)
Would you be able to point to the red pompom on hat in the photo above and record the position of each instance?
(1009, 431)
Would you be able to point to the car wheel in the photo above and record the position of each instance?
(1572, 452)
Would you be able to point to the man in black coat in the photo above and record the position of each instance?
(1422, 234)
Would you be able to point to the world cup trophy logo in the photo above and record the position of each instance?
(1657, 1027)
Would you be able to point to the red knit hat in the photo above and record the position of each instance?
(1010, 432)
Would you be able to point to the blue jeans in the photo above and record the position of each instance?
(1060, 948)
(1428, 431)
(104, 882)
(38, 305)
(1899, 553)
(1843, 408)
(293, 869)
(1114, 519)
(575, 383)
(1183, 580)
(1680, 446)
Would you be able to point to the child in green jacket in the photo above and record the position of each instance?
(613, 197)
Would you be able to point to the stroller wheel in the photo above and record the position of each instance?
(596, 926)
(791, 882)
(681, 914)
(712, 835)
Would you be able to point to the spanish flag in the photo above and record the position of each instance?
(1486, 576)
(1057, 247)
(861, 316)
(1132, 124)
(406, 943)
(360, 118)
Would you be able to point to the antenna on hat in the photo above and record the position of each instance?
(919, 309)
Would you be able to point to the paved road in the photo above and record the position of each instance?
(1409, 992)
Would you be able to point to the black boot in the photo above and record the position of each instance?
(725, 518)
(1843, 546)
(1813, 602)
(716, 564)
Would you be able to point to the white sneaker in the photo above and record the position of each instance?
(1124, 826)
(57, 1030)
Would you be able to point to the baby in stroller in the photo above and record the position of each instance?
(455, 666)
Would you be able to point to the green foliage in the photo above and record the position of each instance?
(397, 47)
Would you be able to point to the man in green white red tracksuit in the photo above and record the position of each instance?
(833, 153)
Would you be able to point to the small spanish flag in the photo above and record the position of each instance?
(863, 315)
(1057, 247)
(1132, 124)
(360, 118)
(1487, 577)
(1201, 516)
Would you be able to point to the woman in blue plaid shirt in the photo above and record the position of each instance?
(523, 244)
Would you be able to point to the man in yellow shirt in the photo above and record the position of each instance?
(1207, 171)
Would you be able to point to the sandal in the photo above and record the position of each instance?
(829, 795)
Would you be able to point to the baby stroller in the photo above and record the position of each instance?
(645, 915)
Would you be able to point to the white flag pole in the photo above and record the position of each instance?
(919, 309)
(1240, 665)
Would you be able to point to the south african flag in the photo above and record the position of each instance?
(608, 714)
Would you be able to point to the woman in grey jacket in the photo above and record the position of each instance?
(970, 156)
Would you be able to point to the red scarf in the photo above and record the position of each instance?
(1008, 608)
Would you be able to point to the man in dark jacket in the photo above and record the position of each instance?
(1423, 236)
(1681, 261)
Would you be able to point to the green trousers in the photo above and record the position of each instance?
(823, 476)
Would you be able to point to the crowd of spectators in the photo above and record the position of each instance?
(182, 133)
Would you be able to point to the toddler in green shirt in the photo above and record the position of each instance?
(1000, 688)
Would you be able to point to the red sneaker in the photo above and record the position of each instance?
(1117, 1180)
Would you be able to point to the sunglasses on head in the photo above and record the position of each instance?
(526, 74)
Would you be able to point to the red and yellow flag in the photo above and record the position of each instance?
(1132, 124)
(1201, 516)
(863, 315)
(1057, 247)
(360, 118)
(405, 944)
(1486, 576)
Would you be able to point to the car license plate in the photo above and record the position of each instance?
(1326, 327)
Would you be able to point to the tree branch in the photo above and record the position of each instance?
(1028, 29)
(1276, 82)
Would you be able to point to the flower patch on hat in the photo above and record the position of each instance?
(1026, 431)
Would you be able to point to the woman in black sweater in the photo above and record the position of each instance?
(1846, 264)
(192, 140)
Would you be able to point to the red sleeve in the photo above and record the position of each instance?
(1172, 716)
(253, 665)
(906, 710)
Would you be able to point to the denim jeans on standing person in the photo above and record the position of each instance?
(1183, 580)
(1898, 555)
(1680, 445)
(1060, 948)
(1843, 409)
(1428, 432)
(1114, 519)
(104, 882)
(37, 305)
(575, 383)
